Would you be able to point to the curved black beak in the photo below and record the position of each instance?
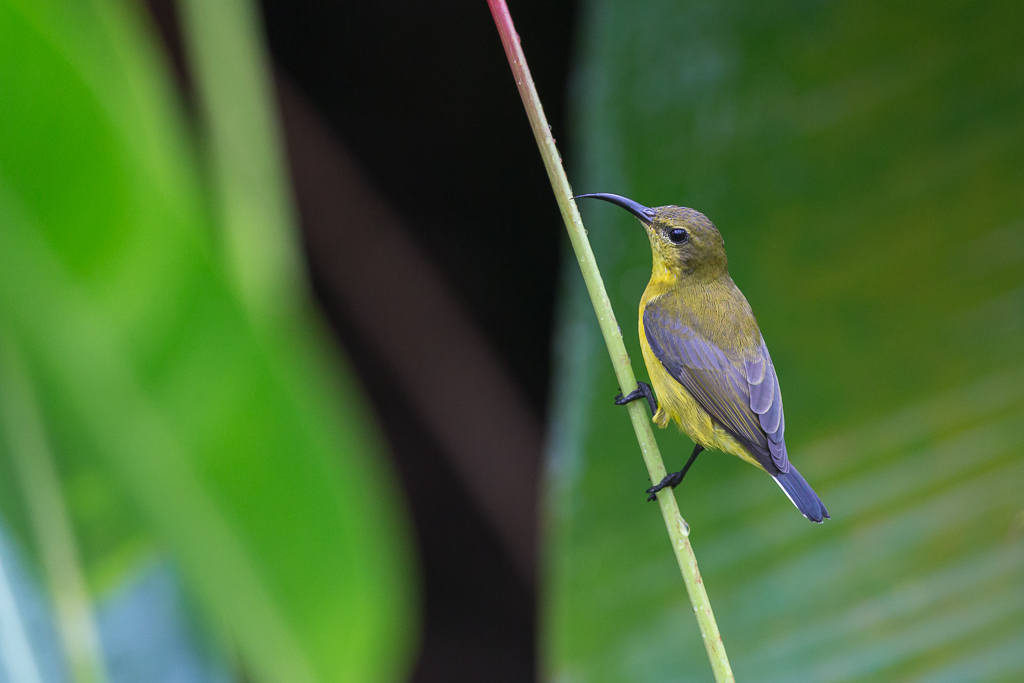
(645, 214)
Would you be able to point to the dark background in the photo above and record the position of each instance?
(421, 99)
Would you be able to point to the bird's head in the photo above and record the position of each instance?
(684, 243)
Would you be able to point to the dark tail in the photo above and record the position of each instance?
(802, 495)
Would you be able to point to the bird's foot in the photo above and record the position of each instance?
(643, 390)
(672, 479)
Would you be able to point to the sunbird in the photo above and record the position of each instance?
(705, 355)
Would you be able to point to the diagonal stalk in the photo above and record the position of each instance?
(678, 530)
(37, 477)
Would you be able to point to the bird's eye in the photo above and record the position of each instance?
(677, 235)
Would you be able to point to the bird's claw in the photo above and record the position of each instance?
(643, 390)
(672, 480)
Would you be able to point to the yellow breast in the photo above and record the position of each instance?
(676, 403)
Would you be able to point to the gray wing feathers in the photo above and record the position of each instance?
(724, 386)
(762, 384)
(766, 401)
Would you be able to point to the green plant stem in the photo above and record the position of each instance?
(48, 517)
(16, 655)
(678, 529)
(245, 160)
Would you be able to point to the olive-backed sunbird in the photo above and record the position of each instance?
(705, 355)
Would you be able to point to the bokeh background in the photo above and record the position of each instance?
(299, 382)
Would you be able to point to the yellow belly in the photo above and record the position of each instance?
(676, 403)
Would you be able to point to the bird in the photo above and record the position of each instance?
(707, 360)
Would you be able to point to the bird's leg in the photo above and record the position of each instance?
(643, 390)
(673, 479)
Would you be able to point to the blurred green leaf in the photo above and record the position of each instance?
(864, 164)
(245, 154)
(32, 461)
(247, 453)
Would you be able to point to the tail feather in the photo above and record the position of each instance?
(802, 495)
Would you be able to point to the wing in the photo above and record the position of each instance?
(739, 390)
